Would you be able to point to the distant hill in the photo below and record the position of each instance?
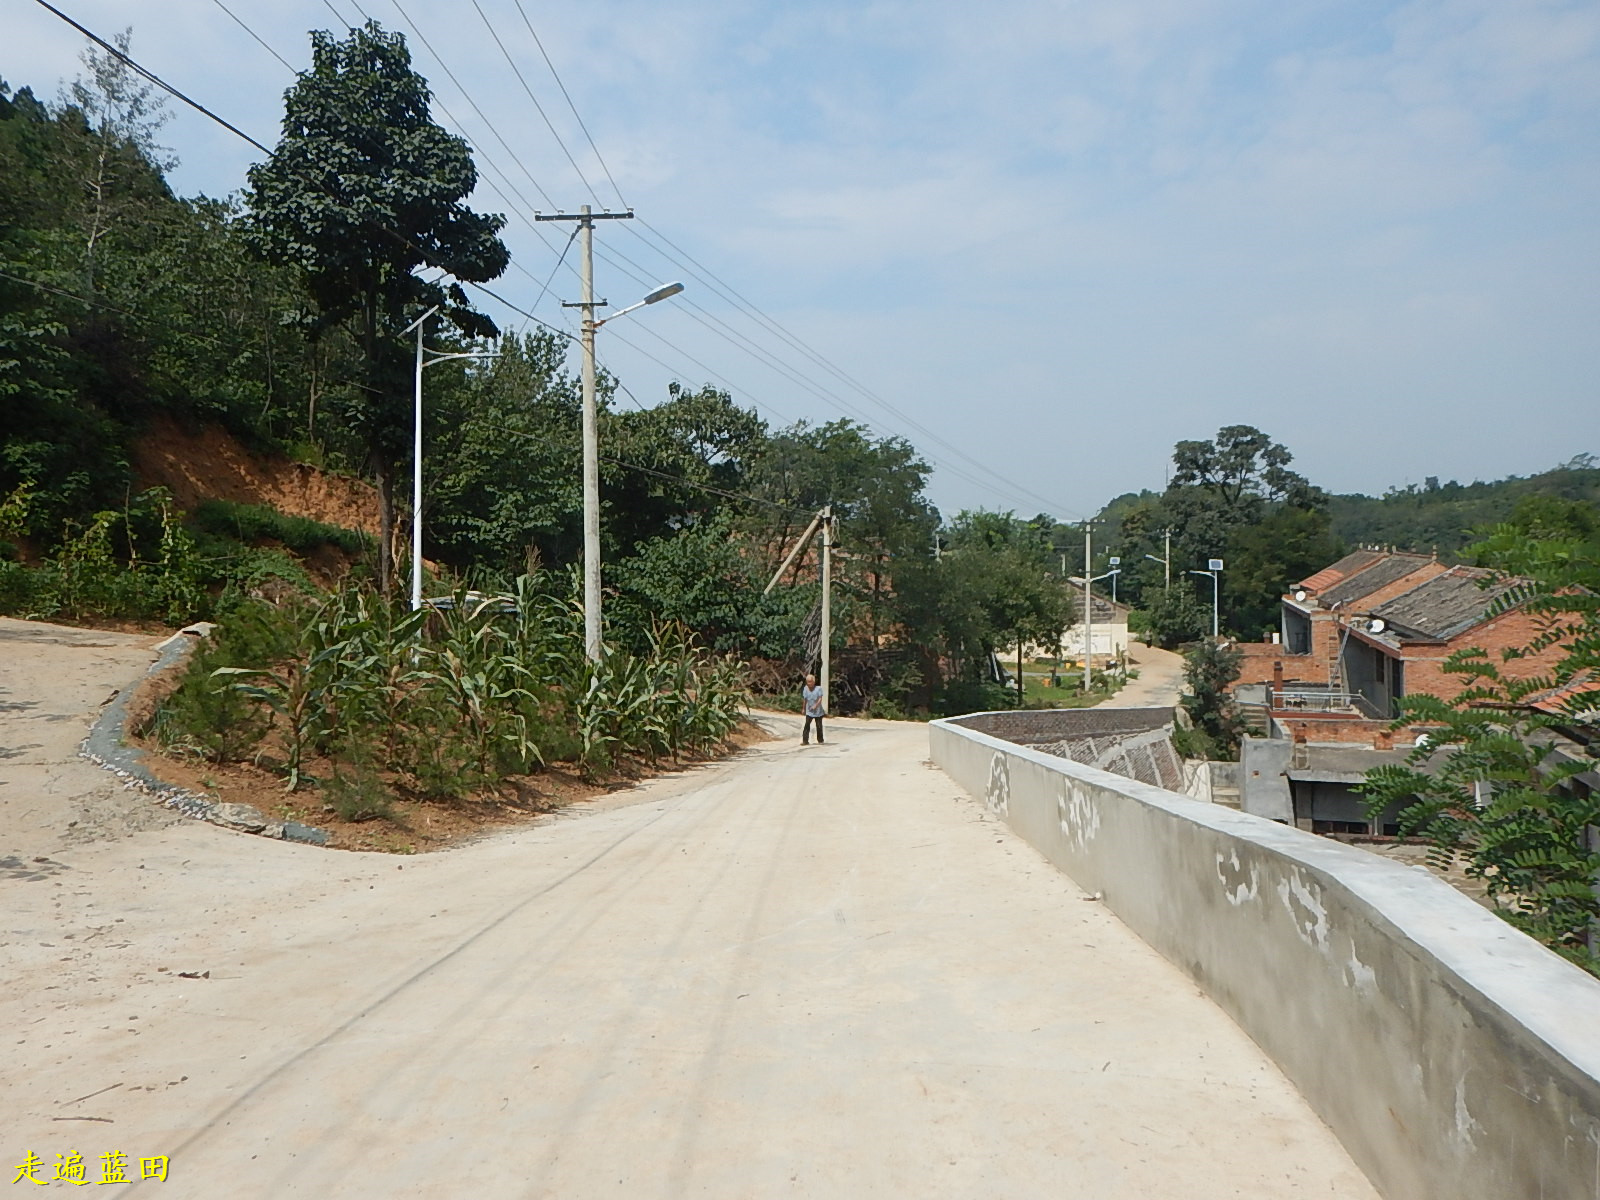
(1439, 515)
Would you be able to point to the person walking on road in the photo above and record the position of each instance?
(811, 695)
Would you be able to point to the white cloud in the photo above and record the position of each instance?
(1040, 224)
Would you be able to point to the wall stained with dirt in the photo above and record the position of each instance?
(1452, 1055)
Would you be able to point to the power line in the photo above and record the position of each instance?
(701, 272)
(727, 333)
(44, 287)
(556, 76)
(706, 487)
(152, 76)
(252, 33)
(237, 132)
(539, 108)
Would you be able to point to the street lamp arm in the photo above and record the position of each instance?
(439, 357)
(661, 293)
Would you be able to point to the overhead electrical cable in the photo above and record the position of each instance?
(126, 312)
(539, 108)
(599, 158)
(151, 76)
(252, 33)
(237, 132)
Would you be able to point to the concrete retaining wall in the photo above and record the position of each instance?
(1454, 1057)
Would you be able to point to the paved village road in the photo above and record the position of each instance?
(816, 972)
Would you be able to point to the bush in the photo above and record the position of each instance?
(258, 522)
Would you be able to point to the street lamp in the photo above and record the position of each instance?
(416, 446)
(1088, 619)
(591, 441)
(1214, 566)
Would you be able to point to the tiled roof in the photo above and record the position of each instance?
(1386, 570)
(1343, 569)
(1445, 605)
(1566, 698)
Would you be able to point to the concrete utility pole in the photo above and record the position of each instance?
(591, 439)
(827, 598)
(1088, 604)
(823, 521)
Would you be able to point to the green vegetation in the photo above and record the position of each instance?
(363, 191)
(1234, 498)
(276, 315)
(1443, 516)
(1500, 799)
(375, 700)
(1215, 724)
(255, 523)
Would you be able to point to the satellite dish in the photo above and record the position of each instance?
(1300, 595)
(1377, 625)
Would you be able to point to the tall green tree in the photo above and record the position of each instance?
(1232, 497)
(364, 193)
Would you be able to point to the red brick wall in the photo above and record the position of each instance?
(1259, 657)
(1424, 664)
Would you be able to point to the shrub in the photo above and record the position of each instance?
(259, 522)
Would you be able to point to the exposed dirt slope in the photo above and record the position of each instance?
(210, 464)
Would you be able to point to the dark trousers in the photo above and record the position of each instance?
(805, 734)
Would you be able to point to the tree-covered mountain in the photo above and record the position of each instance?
(1441, 516)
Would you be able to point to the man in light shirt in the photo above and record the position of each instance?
(811, 694)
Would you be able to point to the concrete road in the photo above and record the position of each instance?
(814, 972)
(1160, 681)
(53, 681)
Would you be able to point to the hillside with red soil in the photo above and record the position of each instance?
(211, 464)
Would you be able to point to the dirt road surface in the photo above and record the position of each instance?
(818, 972)
(1160, 681)
(53, 682)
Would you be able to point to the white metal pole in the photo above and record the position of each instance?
(1088, 605)
(416, 482)
(1166, 563)
(591, 454)
(827, 599)
(1213, 575)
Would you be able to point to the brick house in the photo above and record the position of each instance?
(1358, 636)
(1317, 610)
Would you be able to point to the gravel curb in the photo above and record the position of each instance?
(106, 747)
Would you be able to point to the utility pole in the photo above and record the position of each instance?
(827, 598)
(823, 521)
(1088, 604)
(1167, 561)
(591, 439)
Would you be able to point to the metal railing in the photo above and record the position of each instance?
(1324, 701)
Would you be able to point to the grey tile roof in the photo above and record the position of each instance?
(1370, 578)
(1446, 605)
(1346, 566)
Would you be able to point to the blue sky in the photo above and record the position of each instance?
(1059, 236)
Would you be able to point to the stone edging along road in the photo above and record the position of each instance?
(107, 747)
